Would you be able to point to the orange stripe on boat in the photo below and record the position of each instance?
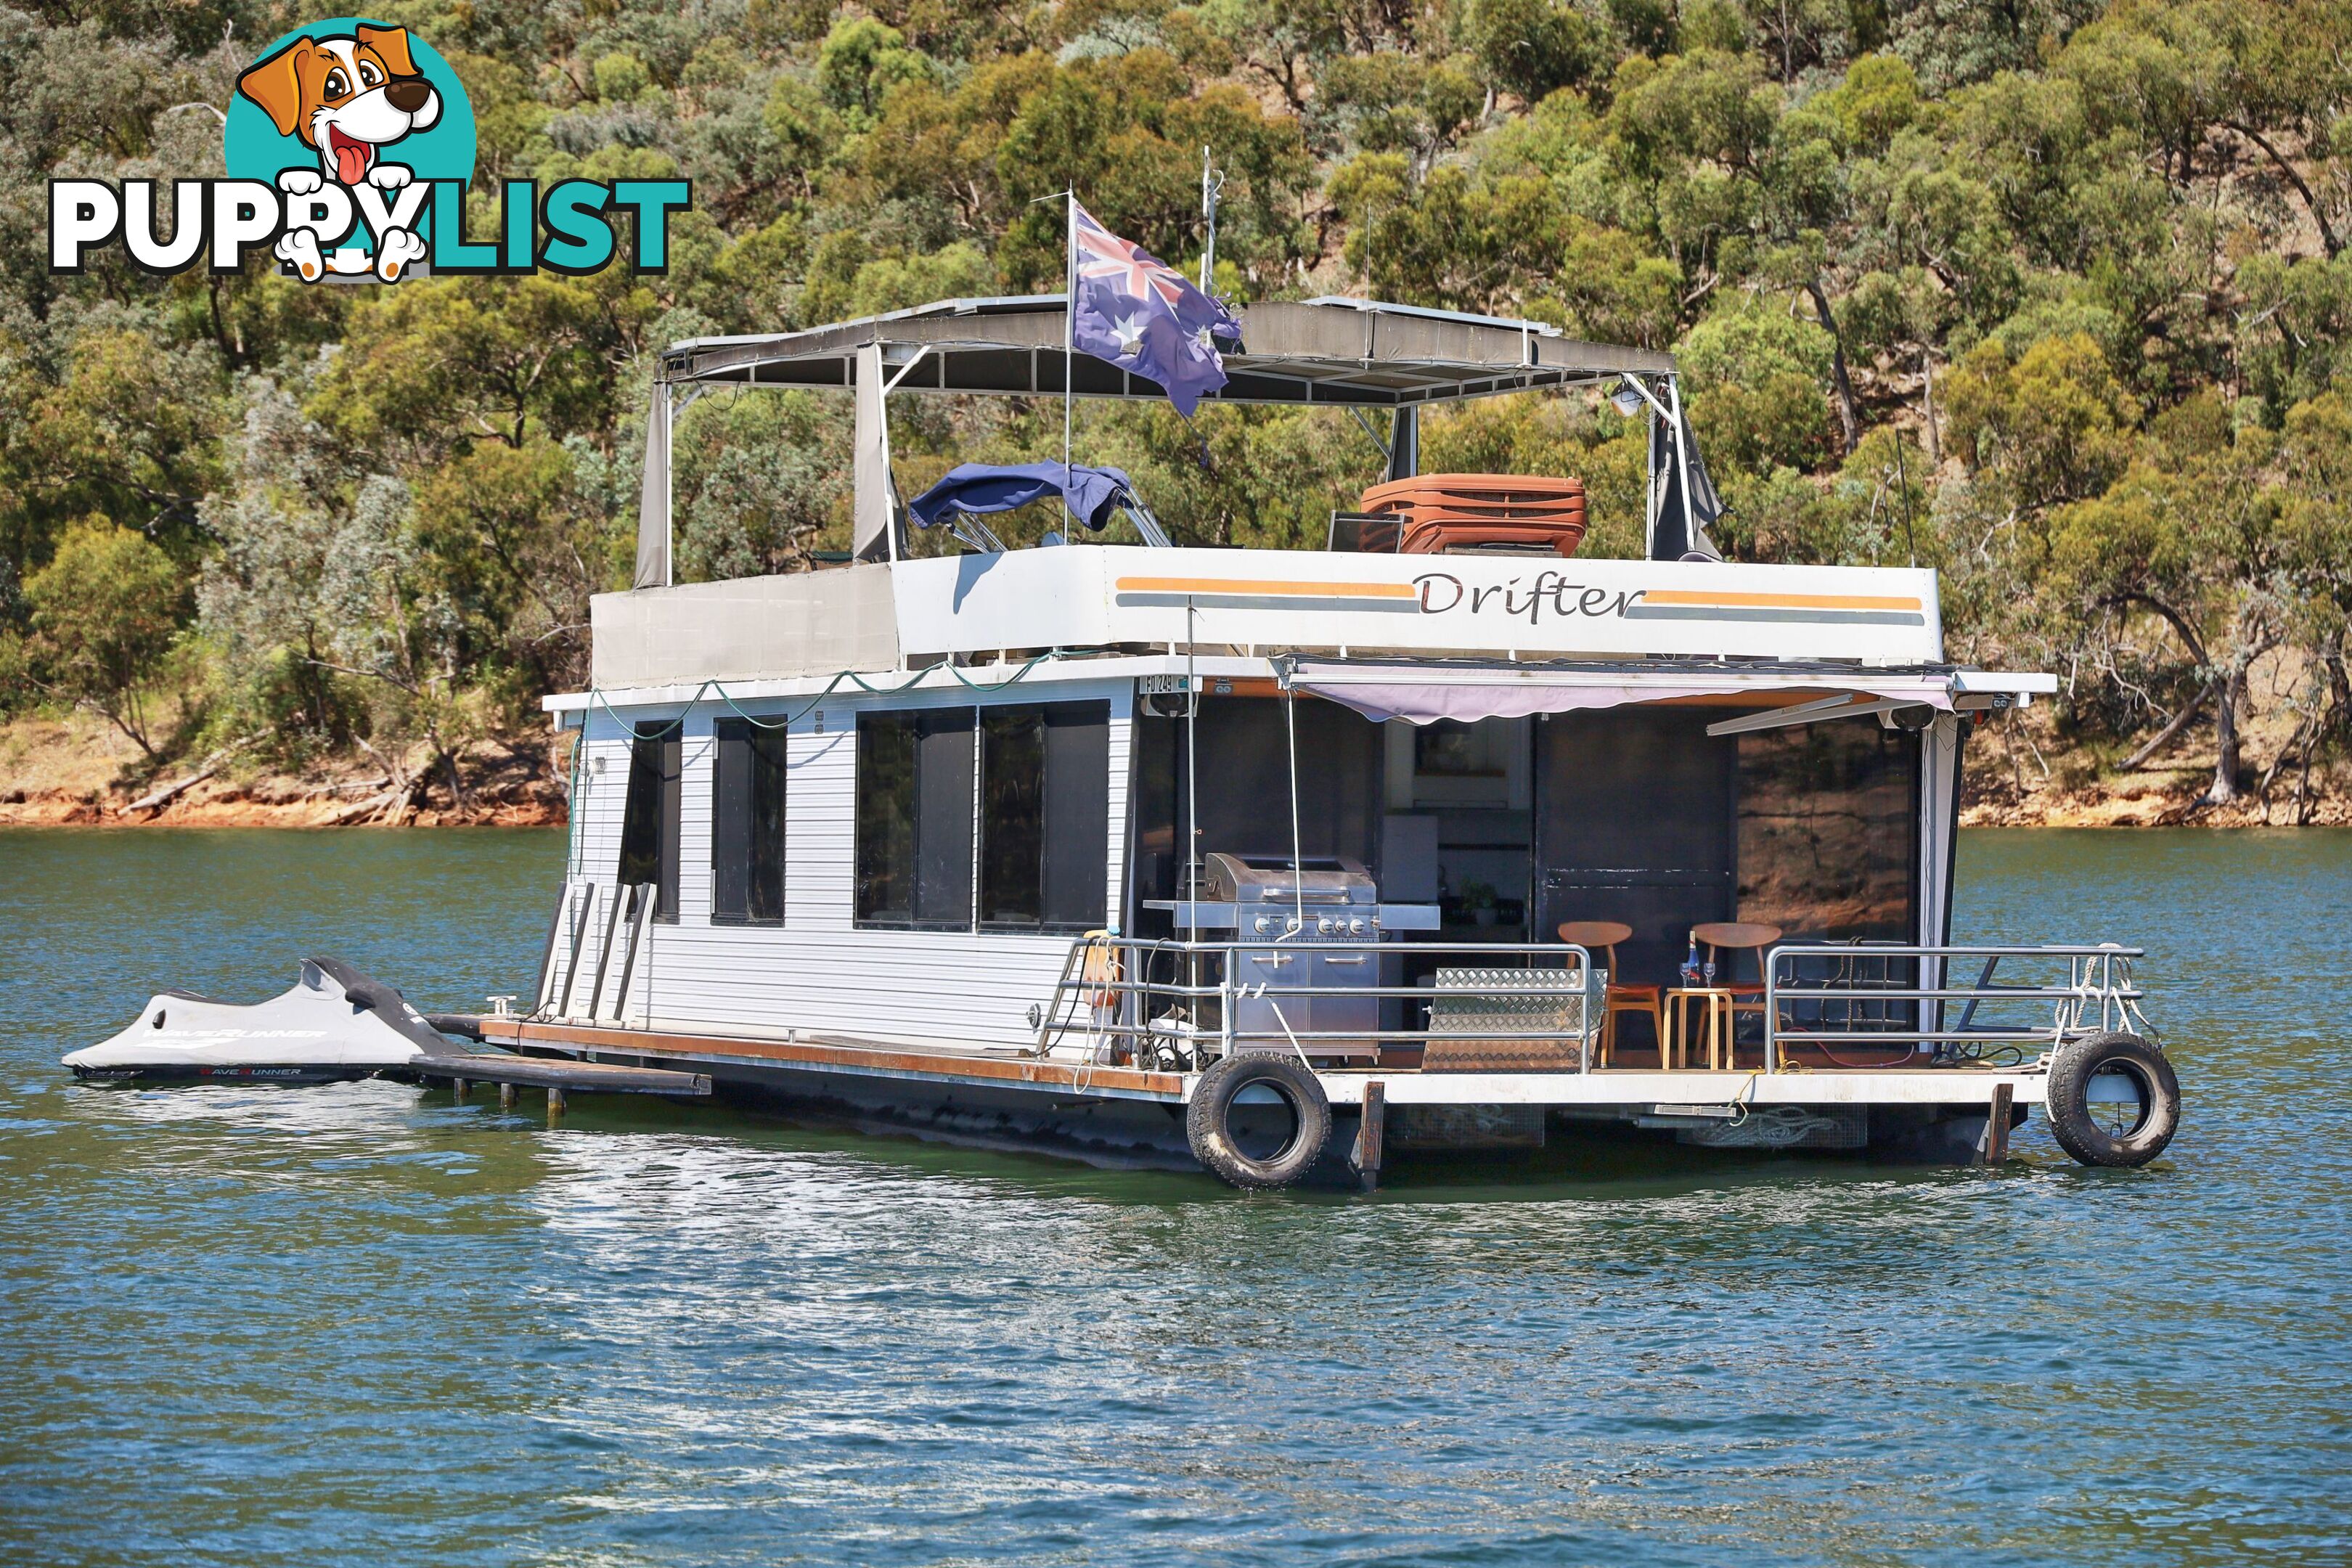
(1255, 588)
(1778, 601)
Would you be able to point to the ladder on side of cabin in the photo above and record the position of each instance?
(579, 981)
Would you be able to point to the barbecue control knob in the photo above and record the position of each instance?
(1266, 924)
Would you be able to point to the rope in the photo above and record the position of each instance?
(1739, 1095)
(1286, 1028)
(662, 731)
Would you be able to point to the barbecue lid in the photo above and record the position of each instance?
(1317, 878)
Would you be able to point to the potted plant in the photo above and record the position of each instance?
(1478, 898)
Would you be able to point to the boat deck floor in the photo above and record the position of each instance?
(1010, 1068)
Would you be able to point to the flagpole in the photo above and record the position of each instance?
(1069, 335)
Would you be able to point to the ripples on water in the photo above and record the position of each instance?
(362, 1324)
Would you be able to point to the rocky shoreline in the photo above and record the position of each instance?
(280, 802)
(53, 775)
(239, 807)
(68, 773)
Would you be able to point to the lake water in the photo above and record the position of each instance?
(365, 1325)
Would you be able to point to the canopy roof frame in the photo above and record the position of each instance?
(1320, 352)
(1328, 352)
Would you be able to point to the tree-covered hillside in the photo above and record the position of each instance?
(2049, 295)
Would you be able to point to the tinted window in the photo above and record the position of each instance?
(915, 780)
(1013, 816)
(1045, 815)
(649, 814)
(943, 792)
(886, 818)
(747, 832)
(1634, 824)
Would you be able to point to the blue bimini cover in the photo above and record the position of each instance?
(1092, 493)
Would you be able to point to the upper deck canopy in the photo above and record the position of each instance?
(1329, 352)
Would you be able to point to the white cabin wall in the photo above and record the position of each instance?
(817, 973)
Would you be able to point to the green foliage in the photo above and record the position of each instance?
(105, 611)
(2053, 427)
(2051, 294)
(1533, 47)
(1756, 377)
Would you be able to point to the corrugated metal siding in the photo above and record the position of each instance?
(817, 971)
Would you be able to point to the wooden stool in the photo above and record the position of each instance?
(1717, 1001)
(1648, 1000)
(1736, 936)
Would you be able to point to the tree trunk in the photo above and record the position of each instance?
(458, 799)
(1927, 406)
(2224, 790)
(1848, 415)
(2169, 734)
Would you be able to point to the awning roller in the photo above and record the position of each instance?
(1422, 695)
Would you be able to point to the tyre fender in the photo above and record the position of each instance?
(1209, 1119)
(2112, 1060)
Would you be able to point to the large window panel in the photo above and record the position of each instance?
(649, 814)
(1078, 816)
(747, 827)
(944, 745)
(1044, 817)
(915, 786)
(886, 818)
(1634, 809)
(1013, 816)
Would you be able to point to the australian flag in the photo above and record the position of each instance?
(1132, 309)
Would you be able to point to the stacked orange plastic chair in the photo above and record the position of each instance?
(1436, 512)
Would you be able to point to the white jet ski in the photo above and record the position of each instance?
(336, 1023)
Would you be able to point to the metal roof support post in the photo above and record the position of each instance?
(1652, 498)
(874, 531)
(1298, 849)
(653, 569)
(1191, 786)
(1069, 333)
(1404, 444)
(1681, 463)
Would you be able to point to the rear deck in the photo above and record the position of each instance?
(1108, 1076)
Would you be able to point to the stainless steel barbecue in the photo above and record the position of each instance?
(1267, 893)
(1284, 991)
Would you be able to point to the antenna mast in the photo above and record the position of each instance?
(1212, 185)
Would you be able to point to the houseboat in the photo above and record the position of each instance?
(1442, 837)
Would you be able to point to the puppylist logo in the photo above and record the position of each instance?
(350, 149)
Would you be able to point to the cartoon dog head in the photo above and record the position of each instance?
(346, 97)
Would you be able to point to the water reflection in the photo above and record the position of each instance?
(263, 1326)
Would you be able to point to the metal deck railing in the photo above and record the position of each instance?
(1881, 996)
(1178, 1005)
